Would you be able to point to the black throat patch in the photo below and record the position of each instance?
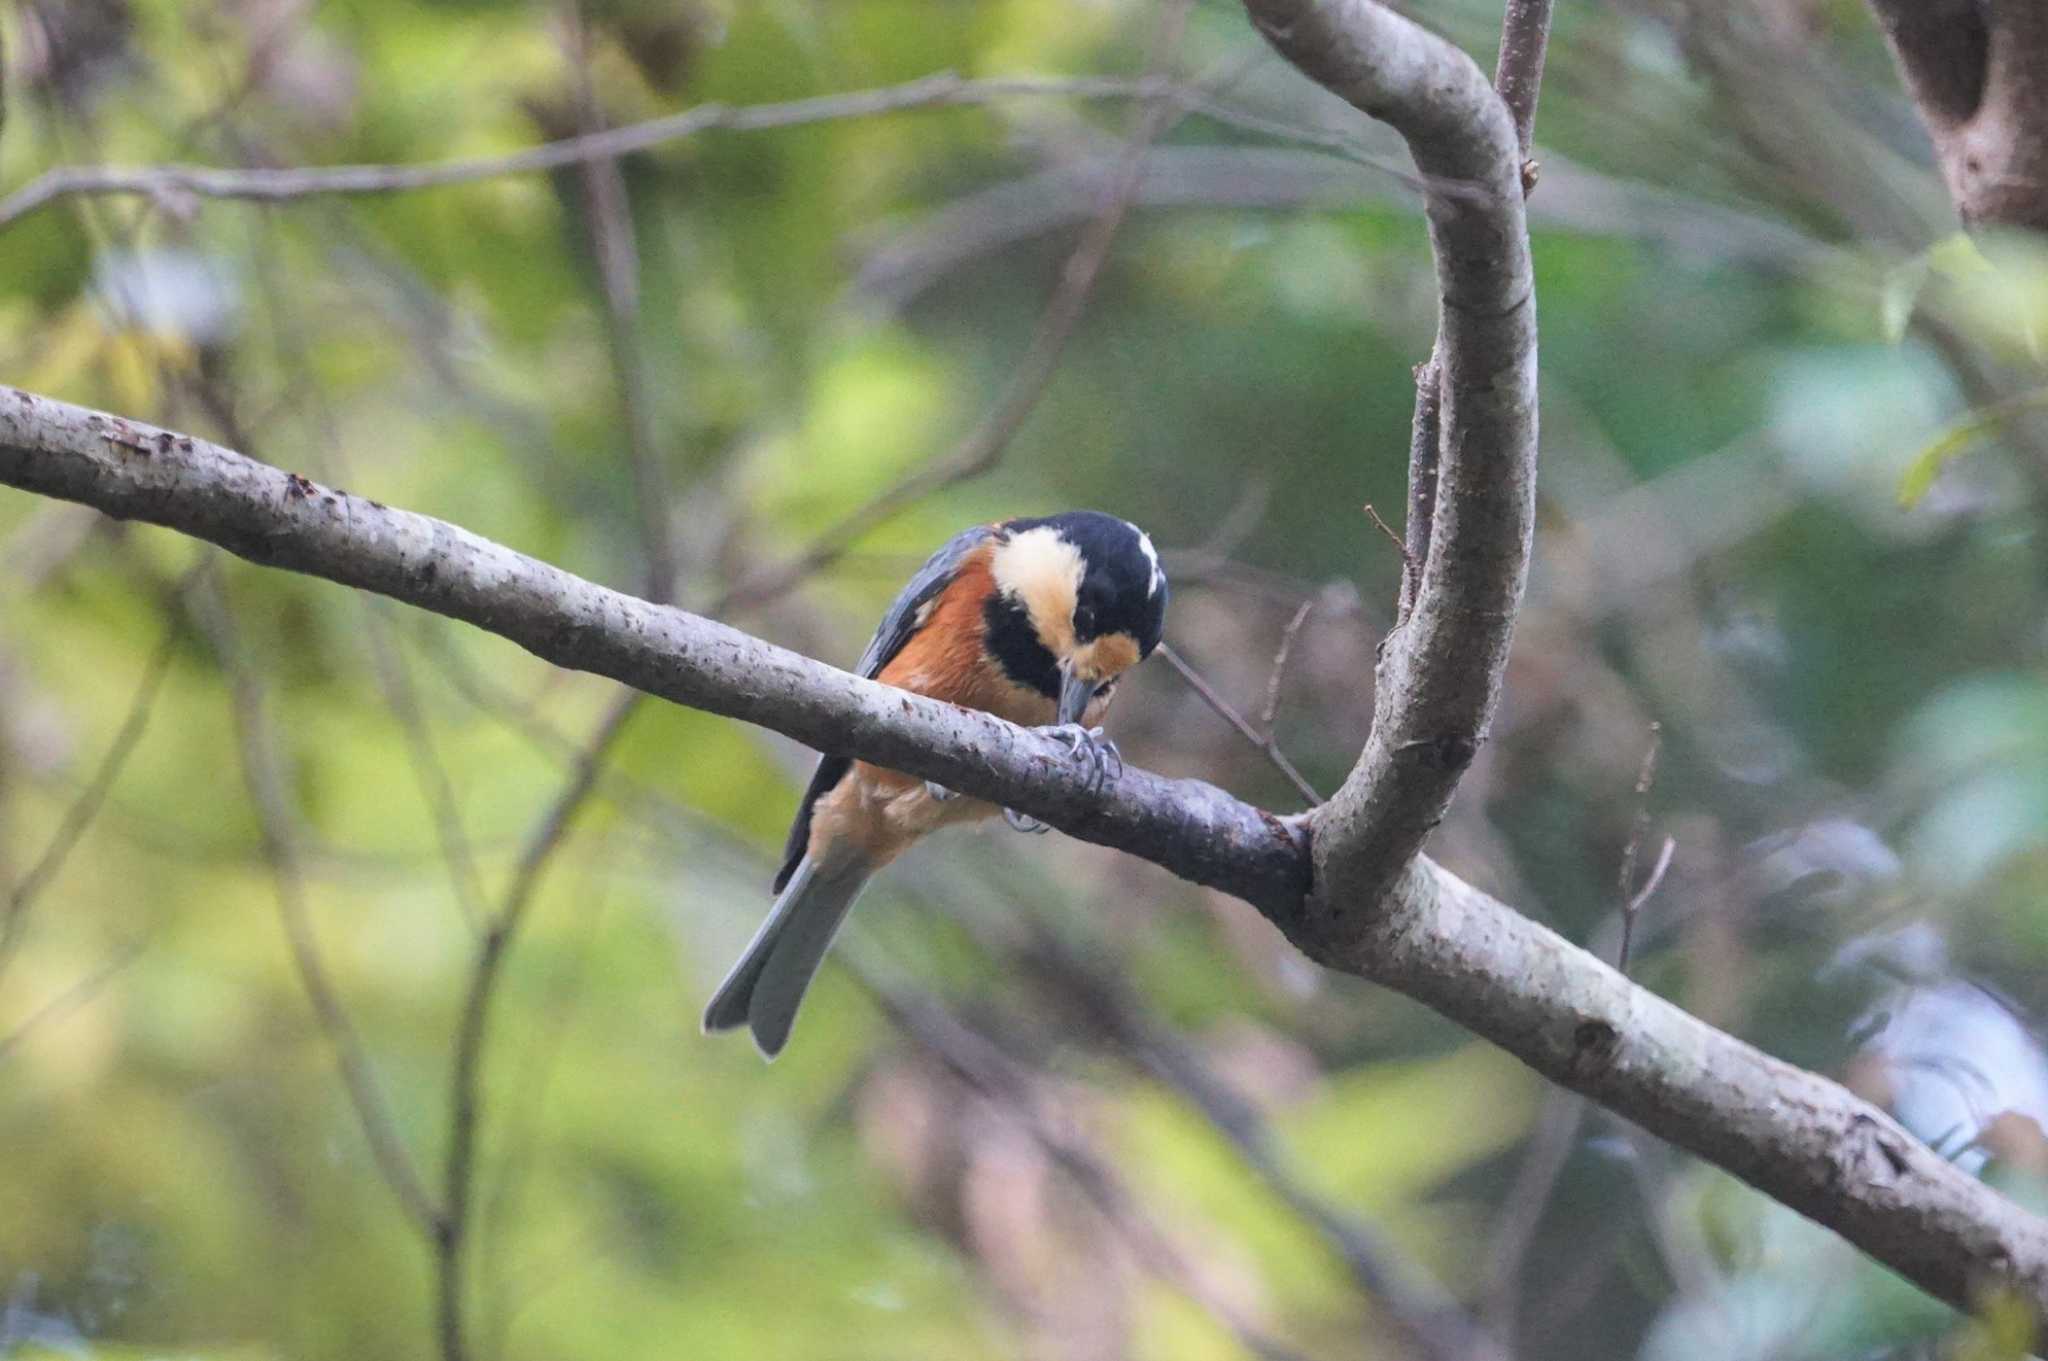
(1009, 638)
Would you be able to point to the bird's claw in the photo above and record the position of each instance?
(939, 793)
(1100, 753)
(1105, 762)
(1024, 822)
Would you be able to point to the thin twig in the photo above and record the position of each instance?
(169, 182)
(1271, 711)
(1263, 741)
(1632, 900)
(985, 445)
(78, 817)
(1426, 1316)
(1411, 563)
(608, 216)
(1518, 72)
(452, 1241)
(1642, 896)
(976, 1060)
(1514, 1227)
(72, 998)
(1461, 951)
(263, 775)
(394, 678)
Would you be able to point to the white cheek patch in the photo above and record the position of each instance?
(1042, 570)
(1151, 556)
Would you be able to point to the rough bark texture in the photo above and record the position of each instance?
(138, 472)
(1793, 1134)
(1978, 71)
(1346, 885)
(1439, 674)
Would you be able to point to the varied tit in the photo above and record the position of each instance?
(1032, 620)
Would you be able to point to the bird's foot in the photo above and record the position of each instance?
(1023, 822)
(1088, 744)
(1105, 763)
(939, 793)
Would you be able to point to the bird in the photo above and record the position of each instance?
(1033, 619)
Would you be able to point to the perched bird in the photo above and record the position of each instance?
(1033, 620)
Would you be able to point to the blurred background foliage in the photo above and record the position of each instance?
(1047, 1102)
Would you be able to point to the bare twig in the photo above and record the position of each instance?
(1514, 1228)
(1518, 72)
(1794, 1135)
(1228, 711)
(608, 218)
(1632, 900)
(72, 998)
(1411, 561)
(452, 1240)
(394, 677)
(985, 445)
(975, 1060)
(1643, 896)
(1271, 712)
(1425, 1315)
(267, 794)
(78, 817)
(269, 186)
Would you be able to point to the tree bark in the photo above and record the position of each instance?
(1795, 1135)
(1978, 73)
(1347, 883)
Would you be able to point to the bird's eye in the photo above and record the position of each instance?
(1084, 620)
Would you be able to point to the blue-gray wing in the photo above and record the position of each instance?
(905, 616)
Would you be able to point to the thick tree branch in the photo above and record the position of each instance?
(134, 471)
(1797, 1136)
(1978, 72)
(1439, 676)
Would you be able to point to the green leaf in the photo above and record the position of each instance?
(1957, 439)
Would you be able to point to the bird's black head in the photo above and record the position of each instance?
(1080, 598)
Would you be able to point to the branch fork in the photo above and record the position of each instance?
(1347, 884)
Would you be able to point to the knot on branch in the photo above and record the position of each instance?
(1593, 1044)
(1443, 753)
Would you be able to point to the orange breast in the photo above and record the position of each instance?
(945, 659)
(881, 811)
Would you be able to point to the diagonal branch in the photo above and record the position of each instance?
(984, 446)
(1794, 1135)
(264, 777)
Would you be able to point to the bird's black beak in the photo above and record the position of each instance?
(1074, 696)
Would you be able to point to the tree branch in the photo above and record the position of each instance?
(1439, 675)
(135, 471)
(1796, 1136)
(1978, 73)
(172, 182)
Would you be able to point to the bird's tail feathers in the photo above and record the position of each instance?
(766, 987)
